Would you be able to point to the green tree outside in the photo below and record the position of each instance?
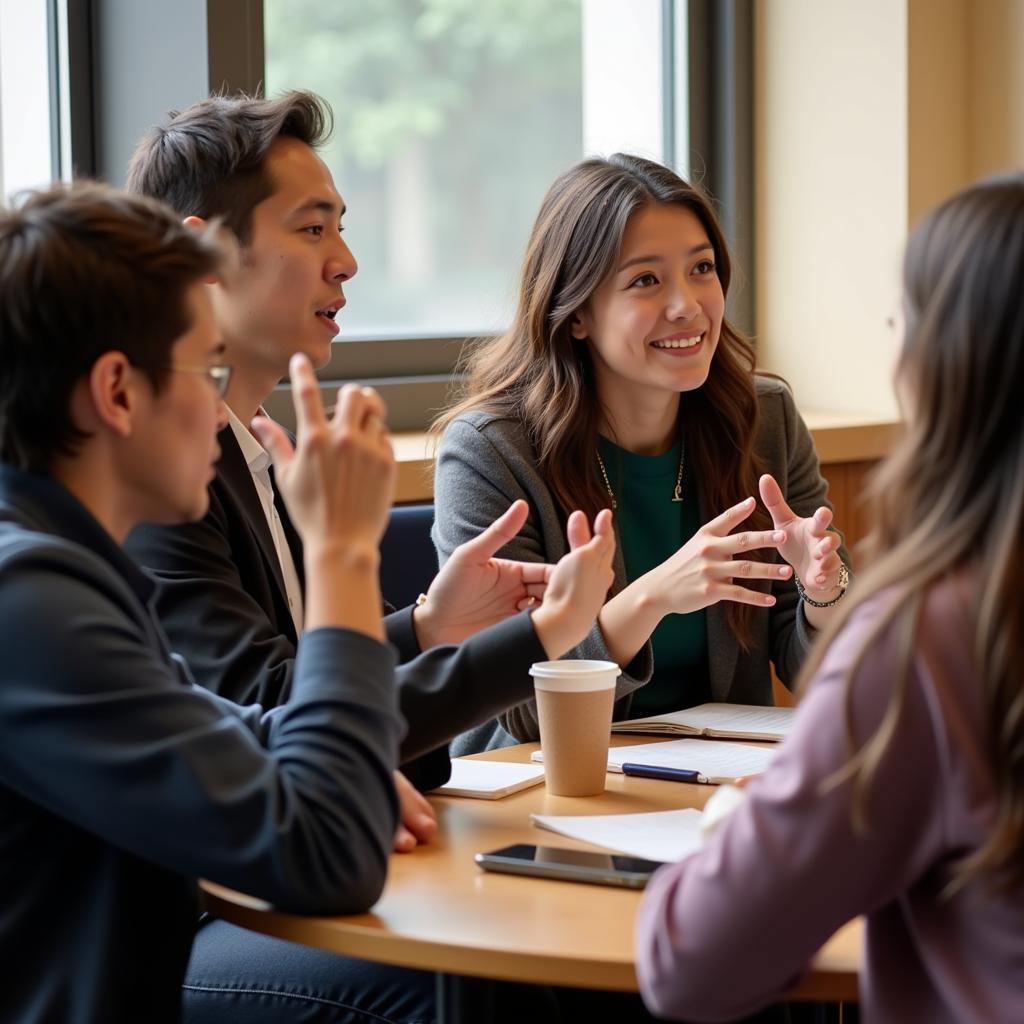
(452, 118)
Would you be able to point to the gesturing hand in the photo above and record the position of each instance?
(338, 480)
(704, 570)
(417, 821)
(810, 547)
(578, 585)
(475, 590)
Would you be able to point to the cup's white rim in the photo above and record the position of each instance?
(577, 676)
(571, 667)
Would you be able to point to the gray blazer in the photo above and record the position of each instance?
(485, 463)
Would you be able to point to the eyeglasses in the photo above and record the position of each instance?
(218, 376)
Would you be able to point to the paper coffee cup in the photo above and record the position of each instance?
(574, 708)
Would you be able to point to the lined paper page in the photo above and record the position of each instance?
(742, 720)
(717, 761)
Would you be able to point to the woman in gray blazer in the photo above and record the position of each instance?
(621, 384)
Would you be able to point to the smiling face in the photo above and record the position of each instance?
(654, 322)
(285, 292)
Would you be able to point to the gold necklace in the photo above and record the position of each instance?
(677, 491)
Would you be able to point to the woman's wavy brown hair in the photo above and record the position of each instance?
(539, 374)
(950, 498)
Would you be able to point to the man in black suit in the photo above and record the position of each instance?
(231, 588)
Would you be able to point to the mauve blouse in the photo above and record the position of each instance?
(734, 926)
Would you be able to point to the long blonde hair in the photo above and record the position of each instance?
(950, 497)
(537, 373)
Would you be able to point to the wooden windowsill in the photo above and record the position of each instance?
(838, 437)
(843, 437)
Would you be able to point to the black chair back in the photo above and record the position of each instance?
(408, 561)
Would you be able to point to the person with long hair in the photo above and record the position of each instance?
(900, 792)
(621, 384)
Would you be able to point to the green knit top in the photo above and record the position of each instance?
(650, 527)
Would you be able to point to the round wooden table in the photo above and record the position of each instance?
(440, 912)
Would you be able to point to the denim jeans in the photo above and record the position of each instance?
(237, 975)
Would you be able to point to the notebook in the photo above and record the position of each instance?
(726, 721)
(714, 762)
(489, 780)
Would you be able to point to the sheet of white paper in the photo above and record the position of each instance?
(656, 835)
(739, 718)
(714, 759)
(482, 778)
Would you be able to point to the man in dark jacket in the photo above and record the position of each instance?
(231, 587)
(121, 782)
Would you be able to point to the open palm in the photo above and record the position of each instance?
(475, 590)
(810, 547)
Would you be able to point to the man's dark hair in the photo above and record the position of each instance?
(210, 160)
(85, 270)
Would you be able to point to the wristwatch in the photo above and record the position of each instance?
(843, 583)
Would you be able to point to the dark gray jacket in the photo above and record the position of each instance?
(484, 463)
(121, 782)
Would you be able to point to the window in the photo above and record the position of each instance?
(452, 118)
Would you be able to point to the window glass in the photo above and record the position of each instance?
(26, 157)
(452, 118)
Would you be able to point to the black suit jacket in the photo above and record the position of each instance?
(221, 599)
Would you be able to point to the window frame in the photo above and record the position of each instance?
(429, 374)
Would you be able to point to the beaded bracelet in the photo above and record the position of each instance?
(844, 582)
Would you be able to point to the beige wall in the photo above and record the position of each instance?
(867, 113)
(830, 152)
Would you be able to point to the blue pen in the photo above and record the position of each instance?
(654, 771)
